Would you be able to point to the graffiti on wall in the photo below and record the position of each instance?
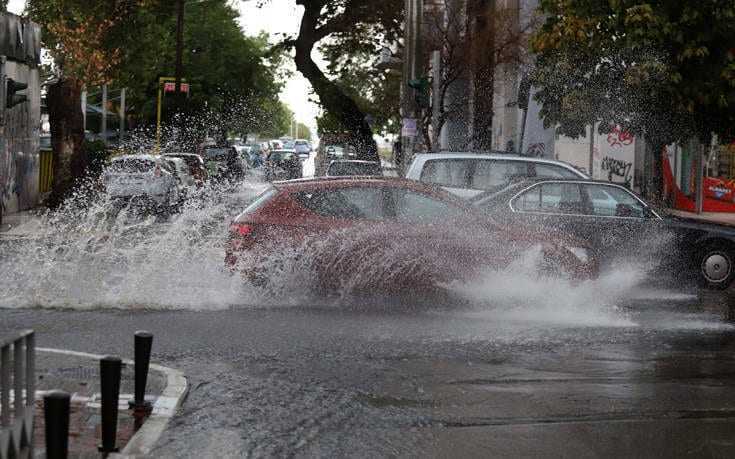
(618, 171)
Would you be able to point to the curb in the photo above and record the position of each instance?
(164, 408)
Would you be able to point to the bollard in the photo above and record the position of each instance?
(110, 367)
(143, 344)
(56, 420)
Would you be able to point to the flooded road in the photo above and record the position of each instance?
(520, 366)
(326, 382)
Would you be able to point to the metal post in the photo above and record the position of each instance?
(592, 150)
(84, 109)
(698, 177)
(5, 386)
(158, 115)
(143, 344)
(104, 113)
(18, 374)
(30, 368)
(56, 420)
(122, 115)
(110, 367)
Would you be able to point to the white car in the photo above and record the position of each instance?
(147, 176)
(186, 181)
(469, 174)
(302, 148)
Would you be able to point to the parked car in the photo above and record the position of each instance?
(224, 163)
(181, 172)
(334, 152)
(283, 165)
(196, 166)
(302, 148)
(147, 177)
(353, 167)
(617, 224)
(469, 174)
(405, 234)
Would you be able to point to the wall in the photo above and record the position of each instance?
(614, 156)
(19, 157)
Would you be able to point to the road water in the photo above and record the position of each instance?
(85, 256)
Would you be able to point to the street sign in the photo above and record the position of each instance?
(409, 127)
(170, 86)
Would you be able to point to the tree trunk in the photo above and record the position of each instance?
(331, 96)
(654, 182)
(67, 136)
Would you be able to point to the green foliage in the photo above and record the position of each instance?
(234, 79)
(664, 69)
(352, 55)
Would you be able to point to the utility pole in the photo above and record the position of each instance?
(412, 67)
(104, 113)
(179, 51)
(122, 115)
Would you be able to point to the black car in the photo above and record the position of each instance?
(283, 165)
(619, 225)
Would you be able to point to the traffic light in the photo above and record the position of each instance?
(421, 86)
(11, 98)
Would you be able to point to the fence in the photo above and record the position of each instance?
(16, 421)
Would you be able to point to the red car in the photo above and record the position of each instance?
(375, 234)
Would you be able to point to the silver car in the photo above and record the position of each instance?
(145, 176)
(469, 174)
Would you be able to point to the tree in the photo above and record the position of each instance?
(351, 25)
(77, 35)
(470, 52)
(663, 70)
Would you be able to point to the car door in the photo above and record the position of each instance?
(623, 225)
(554, 208)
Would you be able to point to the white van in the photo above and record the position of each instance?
(469, 174)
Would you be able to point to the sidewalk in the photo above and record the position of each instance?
(722, 218)
(80, 377)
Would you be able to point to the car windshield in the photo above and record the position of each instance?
(354, 168)
(132, 165)
(216, 153)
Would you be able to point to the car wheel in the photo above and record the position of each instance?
(716, 266)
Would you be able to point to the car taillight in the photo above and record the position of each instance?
(241, 229)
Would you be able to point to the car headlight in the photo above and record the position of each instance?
(580, 252)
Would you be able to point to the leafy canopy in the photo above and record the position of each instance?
(661, 68)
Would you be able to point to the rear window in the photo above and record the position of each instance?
(348, 203)
(337, 169)
(132, 166)
(478, 174)
(261, 200)
(216, 153)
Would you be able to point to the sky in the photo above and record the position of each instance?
(276, 17)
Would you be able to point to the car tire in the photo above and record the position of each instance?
(716, 266)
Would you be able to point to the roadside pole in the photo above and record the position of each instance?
(158, 115)
(104, 113)
(412, 66)
(122, 116)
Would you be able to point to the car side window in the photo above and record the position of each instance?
(612, 201)
(558, 198)
(553, 171)
(349, 203)
(492, 174)
(447, 172)
(421, 208)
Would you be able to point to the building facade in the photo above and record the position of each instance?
(20, 124)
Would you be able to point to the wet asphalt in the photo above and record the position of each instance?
(325, 381)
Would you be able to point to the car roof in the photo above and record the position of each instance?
(490, 155)
(527, 182)
(145, 157)
(338, 181)
(352, 161)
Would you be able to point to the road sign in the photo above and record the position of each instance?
(171, 87)
(409, 127)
